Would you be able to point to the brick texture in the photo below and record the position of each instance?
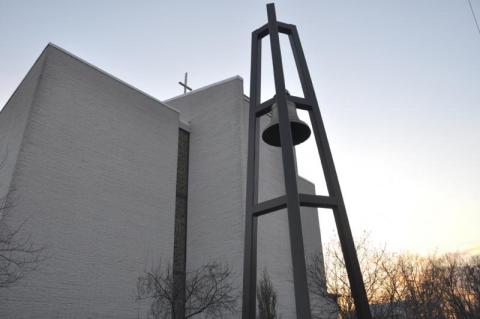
(95, 182)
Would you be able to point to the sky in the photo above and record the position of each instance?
(398, 84)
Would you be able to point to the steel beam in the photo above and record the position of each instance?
(250, 249)
(269, 206)
(302, 299)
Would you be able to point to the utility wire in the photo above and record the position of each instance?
(474, 16)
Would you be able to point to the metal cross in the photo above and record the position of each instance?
(185, 86)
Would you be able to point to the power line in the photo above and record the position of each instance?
(474, 16)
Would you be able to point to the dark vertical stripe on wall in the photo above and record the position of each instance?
(180, 241)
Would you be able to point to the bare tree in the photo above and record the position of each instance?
(18, 254)
(378, 275)
(470, 287)
(404, 285)
(421, 286)
(209, 291)
(447, 286)
(266, 298)
(323, 304)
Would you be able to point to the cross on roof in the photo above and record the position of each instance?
(184, 84)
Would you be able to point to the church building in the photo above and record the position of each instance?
(110, 181)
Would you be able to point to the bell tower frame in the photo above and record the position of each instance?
(292, 200)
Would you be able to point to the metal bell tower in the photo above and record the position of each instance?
(293, 199)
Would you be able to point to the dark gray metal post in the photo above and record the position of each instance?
(343, 226)
(293, 199)
(302, 299)
(250, 251)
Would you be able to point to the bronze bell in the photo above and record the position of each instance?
(300, 130)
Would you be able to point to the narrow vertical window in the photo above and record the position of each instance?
(180, 240)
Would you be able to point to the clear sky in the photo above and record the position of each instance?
(398, 83)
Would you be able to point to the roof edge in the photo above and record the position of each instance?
(52, 45)
(206, 87)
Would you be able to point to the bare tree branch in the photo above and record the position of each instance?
(403, 285)
(18, 254)
(209, 291)
(266, 298)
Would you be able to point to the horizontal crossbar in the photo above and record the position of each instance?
(310, 200)
(300, 102)
(306, 200)
(282, 28)
(265, 107)
(270, 206)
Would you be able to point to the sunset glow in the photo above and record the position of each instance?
(397, 83)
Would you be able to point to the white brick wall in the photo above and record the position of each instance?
(216, 180)
(13, 119)
(218, 118)
(95, 180)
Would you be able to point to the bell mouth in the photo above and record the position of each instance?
(300, 133)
